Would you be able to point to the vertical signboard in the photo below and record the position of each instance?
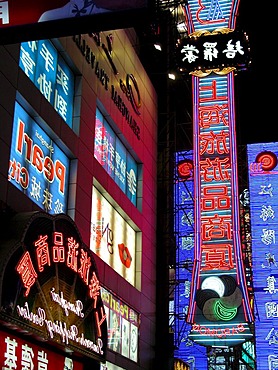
(219, 308)
(263, 187)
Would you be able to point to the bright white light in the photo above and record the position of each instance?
(214, 283)
(171, 76)
(158, 46)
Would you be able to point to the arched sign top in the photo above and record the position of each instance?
(49, 284)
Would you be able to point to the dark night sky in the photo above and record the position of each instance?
(254, 99)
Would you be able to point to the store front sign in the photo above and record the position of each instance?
(50, 286)
(16, 353)
(38, 167)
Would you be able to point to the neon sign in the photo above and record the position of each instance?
(220, 313)
(263, 185)
(54, 286)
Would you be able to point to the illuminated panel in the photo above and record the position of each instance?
(112, 238)
(263, 187)
(219, 308)
(123, 326)
(49, 72)
(38, 167)
(188, 351)
(110, 152)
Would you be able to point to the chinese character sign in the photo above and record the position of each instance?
(52, 76)
(219, 308)
(211, 51)
(38, 167)
(263, 187)
(17, 353)
(51, 286)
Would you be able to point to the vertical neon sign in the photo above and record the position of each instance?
(219, 308)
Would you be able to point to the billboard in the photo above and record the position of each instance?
(112, 238)
(20, 20)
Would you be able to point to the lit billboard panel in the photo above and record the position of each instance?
(112, 238)
(38, 167)
(111, 153)
(46, 68)
(263, 188)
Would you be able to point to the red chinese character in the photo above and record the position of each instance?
(94, 288)
(58, 250)
(72, 254)
(216, 227)
(215, 198)
(28, 274)
(84, 269)
(217, 257)
(42, 252)
(99, 321)
(217, 169)
(213, 96)
(211, 143)
(213, 115)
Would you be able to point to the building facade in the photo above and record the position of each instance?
(78, 148)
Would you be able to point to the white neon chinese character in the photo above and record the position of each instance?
(210, 50)
(27, 357)
(42, 360)
(48, 57)
(188, 51)
(60, 105)
(62, 79)
(233, 49)
(10, 356)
